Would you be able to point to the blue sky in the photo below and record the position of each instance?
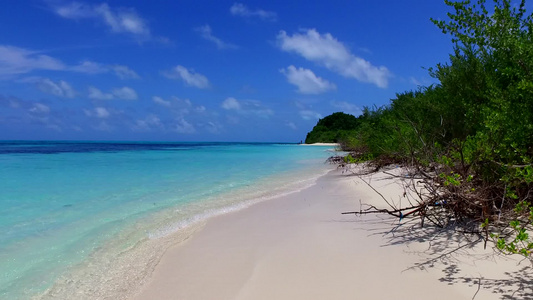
(206, 70)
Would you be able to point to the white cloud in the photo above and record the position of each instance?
(118, 20)
(97, 94)
(183, 102)
(125, 93)
(182, 126)
(150, 122)
(232, 120)
(190, 78)
(161, 101)
(256, 108)
(98, 112)
(14, 60)
(90, 67)
(123, 72)
(101, 112)
(247, 107)
(327, 51)
(61, 88)
(75, 10)
(46, 85)
(213, 127)
(292, 126)
(347, 107)
(180, 107)
(231, 104)
(239, 9)
(310, 115)
(123, 20)
(306, 81)
(39, 108)
(103, 126)
(415, 81)
(207, 34)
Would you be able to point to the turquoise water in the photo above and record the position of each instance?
(64, 203)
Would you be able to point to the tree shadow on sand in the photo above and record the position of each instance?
(447, 250)
(516, 285)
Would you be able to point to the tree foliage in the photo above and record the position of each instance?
(332, 129)
(474, 129)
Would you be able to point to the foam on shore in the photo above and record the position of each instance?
(118, 267)
(299, 246)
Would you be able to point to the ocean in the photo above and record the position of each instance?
(91, 219)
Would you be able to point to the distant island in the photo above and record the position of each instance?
(335, 128)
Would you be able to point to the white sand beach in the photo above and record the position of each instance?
(321, 144)
(300, 246)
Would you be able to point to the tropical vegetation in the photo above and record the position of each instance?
(472, 133)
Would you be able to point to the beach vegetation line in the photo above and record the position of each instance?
(469, 138)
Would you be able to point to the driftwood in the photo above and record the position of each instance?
(469, 207)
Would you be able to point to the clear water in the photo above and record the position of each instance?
(66, 207)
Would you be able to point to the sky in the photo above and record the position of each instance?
(251, 71)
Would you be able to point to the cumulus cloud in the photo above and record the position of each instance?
(101, 112)
(123, 20)
(190, 77)
(9, 102)
(246, 107)
(14, 61)
(182, 126)
(310, 115)
(74, 10)
(306, 81)
(256, 108)
(124, 93)
(16, 111)
(207, 34)
(231, 104)
(97, 94)
(60, 88)
(39, 108)
(213, 127)
(179, 107)
(98, 112)
(327, 51)
(89, 67)
(123, 72)
(239, 9)
(102, 125)
(161, 101)
(292, 126)
(149, 123)
(346, 107)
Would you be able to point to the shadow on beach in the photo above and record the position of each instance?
(460, 257)
(457, 256)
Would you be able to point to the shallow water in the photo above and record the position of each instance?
(74, 214)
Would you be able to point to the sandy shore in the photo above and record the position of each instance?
(321, 144)
(299, 246)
